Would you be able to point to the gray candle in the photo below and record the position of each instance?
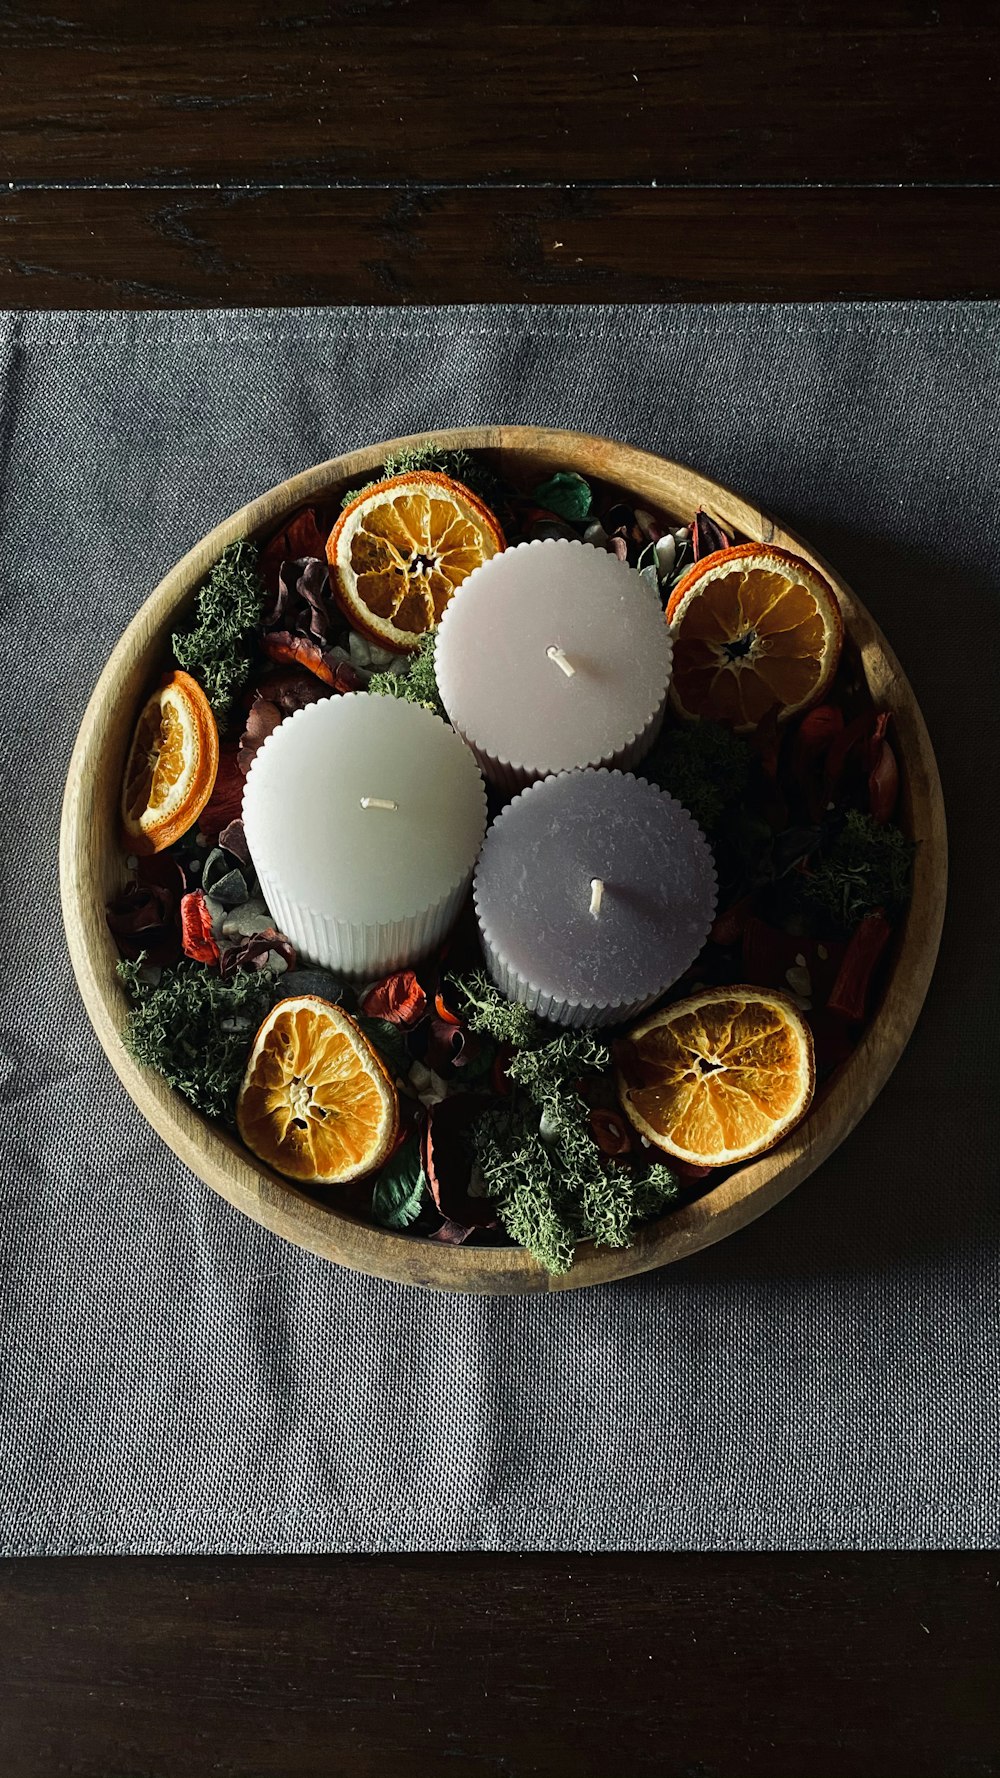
(594, 891)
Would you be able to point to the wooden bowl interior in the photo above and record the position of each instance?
(92, 869)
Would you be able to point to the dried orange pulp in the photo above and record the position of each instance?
(402, 548)
(753, 627)
(719, 1077)
(172, 764)
(316, 1102)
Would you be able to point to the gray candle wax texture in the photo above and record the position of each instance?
(533, 888)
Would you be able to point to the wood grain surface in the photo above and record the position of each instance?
(92, 870)
(478, 1666)
(372, 151)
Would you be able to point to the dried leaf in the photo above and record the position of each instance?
(566, 494)
(399, 1189)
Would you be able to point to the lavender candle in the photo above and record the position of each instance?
(594, 891)
(551, 656)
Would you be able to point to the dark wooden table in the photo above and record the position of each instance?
(442, 151)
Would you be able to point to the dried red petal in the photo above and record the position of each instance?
(443, 1010)
(769, 954)
(454, 1233)
(688, 1169)
(448, 1046)
(834, 1038)
(707, 536)
(197, 939)
(226, 801)
(302, 651)
(814, 737)
(145, 915)
(850, 990)
(300, 537)
(766, 741)
(234, 839)
(255, 952)
(883, 785)
(610, 1131)
(399, 999)
(728, 926)
(849, 749)
(262, 720)
(144, 919)
(818, 729)
(447, 1157)
(290, 688)
(139, 907)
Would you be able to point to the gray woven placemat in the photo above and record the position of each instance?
(176, 1379)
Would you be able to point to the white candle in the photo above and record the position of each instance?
(551, 656)
(364, 817)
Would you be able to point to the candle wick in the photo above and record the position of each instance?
(596, 895)
(565, 666)
(377, 802)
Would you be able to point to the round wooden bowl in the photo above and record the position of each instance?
(92, 869)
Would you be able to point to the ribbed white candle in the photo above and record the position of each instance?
(364, 817)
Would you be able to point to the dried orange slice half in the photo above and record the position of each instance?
(402, 548)
(171, 766)
(316, 1102)
(719, 1077)
(753, 627)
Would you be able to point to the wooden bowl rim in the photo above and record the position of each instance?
(220, 1160)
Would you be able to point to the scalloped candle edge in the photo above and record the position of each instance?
(512, 774)
(561, 1010)
(418, 926)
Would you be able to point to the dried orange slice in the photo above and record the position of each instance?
(316, 1102)
(718, 1077)
(753, 627)
(171, 766)
(402, 548)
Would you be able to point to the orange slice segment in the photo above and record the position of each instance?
(316, 1102)
(719, 1077)
(401, 550)
(172, 764)
(753, 627)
